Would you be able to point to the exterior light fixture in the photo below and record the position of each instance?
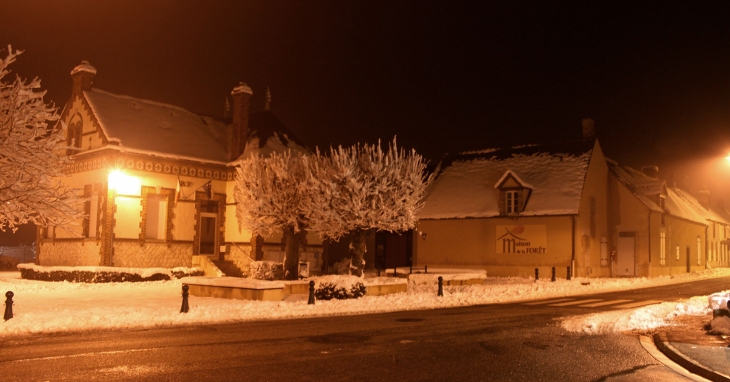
(123, 184)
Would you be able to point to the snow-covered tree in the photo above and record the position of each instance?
(269, 194)
(32, 157)
(363, 188)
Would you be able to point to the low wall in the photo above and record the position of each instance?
(235, 288)
(72, 253)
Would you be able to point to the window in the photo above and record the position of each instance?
(677, 253)
(156, 219)
(512, 202)
(92, 221)
(662, 248)
(73, 136)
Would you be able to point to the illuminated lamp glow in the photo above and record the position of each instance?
(124, 184)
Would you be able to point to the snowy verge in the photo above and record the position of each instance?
(641, 319)
(49, 307)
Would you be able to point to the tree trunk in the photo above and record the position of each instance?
(358, 248)
(291, 254)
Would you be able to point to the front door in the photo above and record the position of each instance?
(625, 256)
(207, 234)
(208, 229)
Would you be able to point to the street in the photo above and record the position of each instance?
(501, 342)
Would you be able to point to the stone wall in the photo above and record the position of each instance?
(240, 254)
(71, 253)
(152, 255)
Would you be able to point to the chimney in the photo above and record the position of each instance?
(82, 76)
(704, 198)
(589, 128)
(239, 135)
(650, 171)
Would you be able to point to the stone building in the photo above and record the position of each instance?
(159, 181)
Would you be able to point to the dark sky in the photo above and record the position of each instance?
(445, 76)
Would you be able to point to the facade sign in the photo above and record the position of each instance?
(521, 239)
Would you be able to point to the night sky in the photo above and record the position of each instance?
(443, 76)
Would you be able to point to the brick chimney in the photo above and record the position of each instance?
(651, 171)
(82, 76)
(239, 135)
(589, 128)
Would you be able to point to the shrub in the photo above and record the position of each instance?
(7, 262)
(267, 270)
(339, 287)
(102, 275)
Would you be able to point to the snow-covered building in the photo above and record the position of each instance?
(159, 180)
(656, 229)
(509, 211)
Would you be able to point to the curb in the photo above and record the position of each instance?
(662, 343)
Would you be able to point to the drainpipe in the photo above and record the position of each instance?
(572, 259)
(707, 250)
(648, 219)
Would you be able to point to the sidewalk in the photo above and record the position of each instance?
(688, 344)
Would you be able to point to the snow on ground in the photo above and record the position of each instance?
(46, 307)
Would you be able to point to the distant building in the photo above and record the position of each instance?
(509, 211)
(512, 210)
(160, 180)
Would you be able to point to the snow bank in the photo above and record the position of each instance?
(47, 307)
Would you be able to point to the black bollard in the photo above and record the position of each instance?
(537, 274)
(441, 287)
(9, 305)
(311, 293)
(553, 276)
(185, 307)
(568, 276)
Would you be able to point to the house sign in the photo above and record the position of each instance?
(530, 239)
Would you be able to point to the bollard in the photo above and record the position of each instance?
(185, 307)
(568, 276)
(441, 287)
(9, 305)
(311, 293)
(537, 274)
(553, 276)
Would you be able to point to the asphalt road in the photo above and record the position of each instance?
(501, 342)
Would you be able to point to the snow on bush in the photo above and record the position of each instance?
(103, 274)
(339, 287)
(267, 270)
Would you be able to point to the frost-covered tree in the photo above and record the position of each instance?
(363, 188)
(269, 194)
(32, 157)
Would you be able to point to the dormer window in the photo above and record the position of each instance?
(514, 194)
(512, 202)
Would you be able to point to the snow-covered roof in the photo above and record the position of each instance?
(154, 128)
(677, 202)
(464, 186)
(150, 127)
